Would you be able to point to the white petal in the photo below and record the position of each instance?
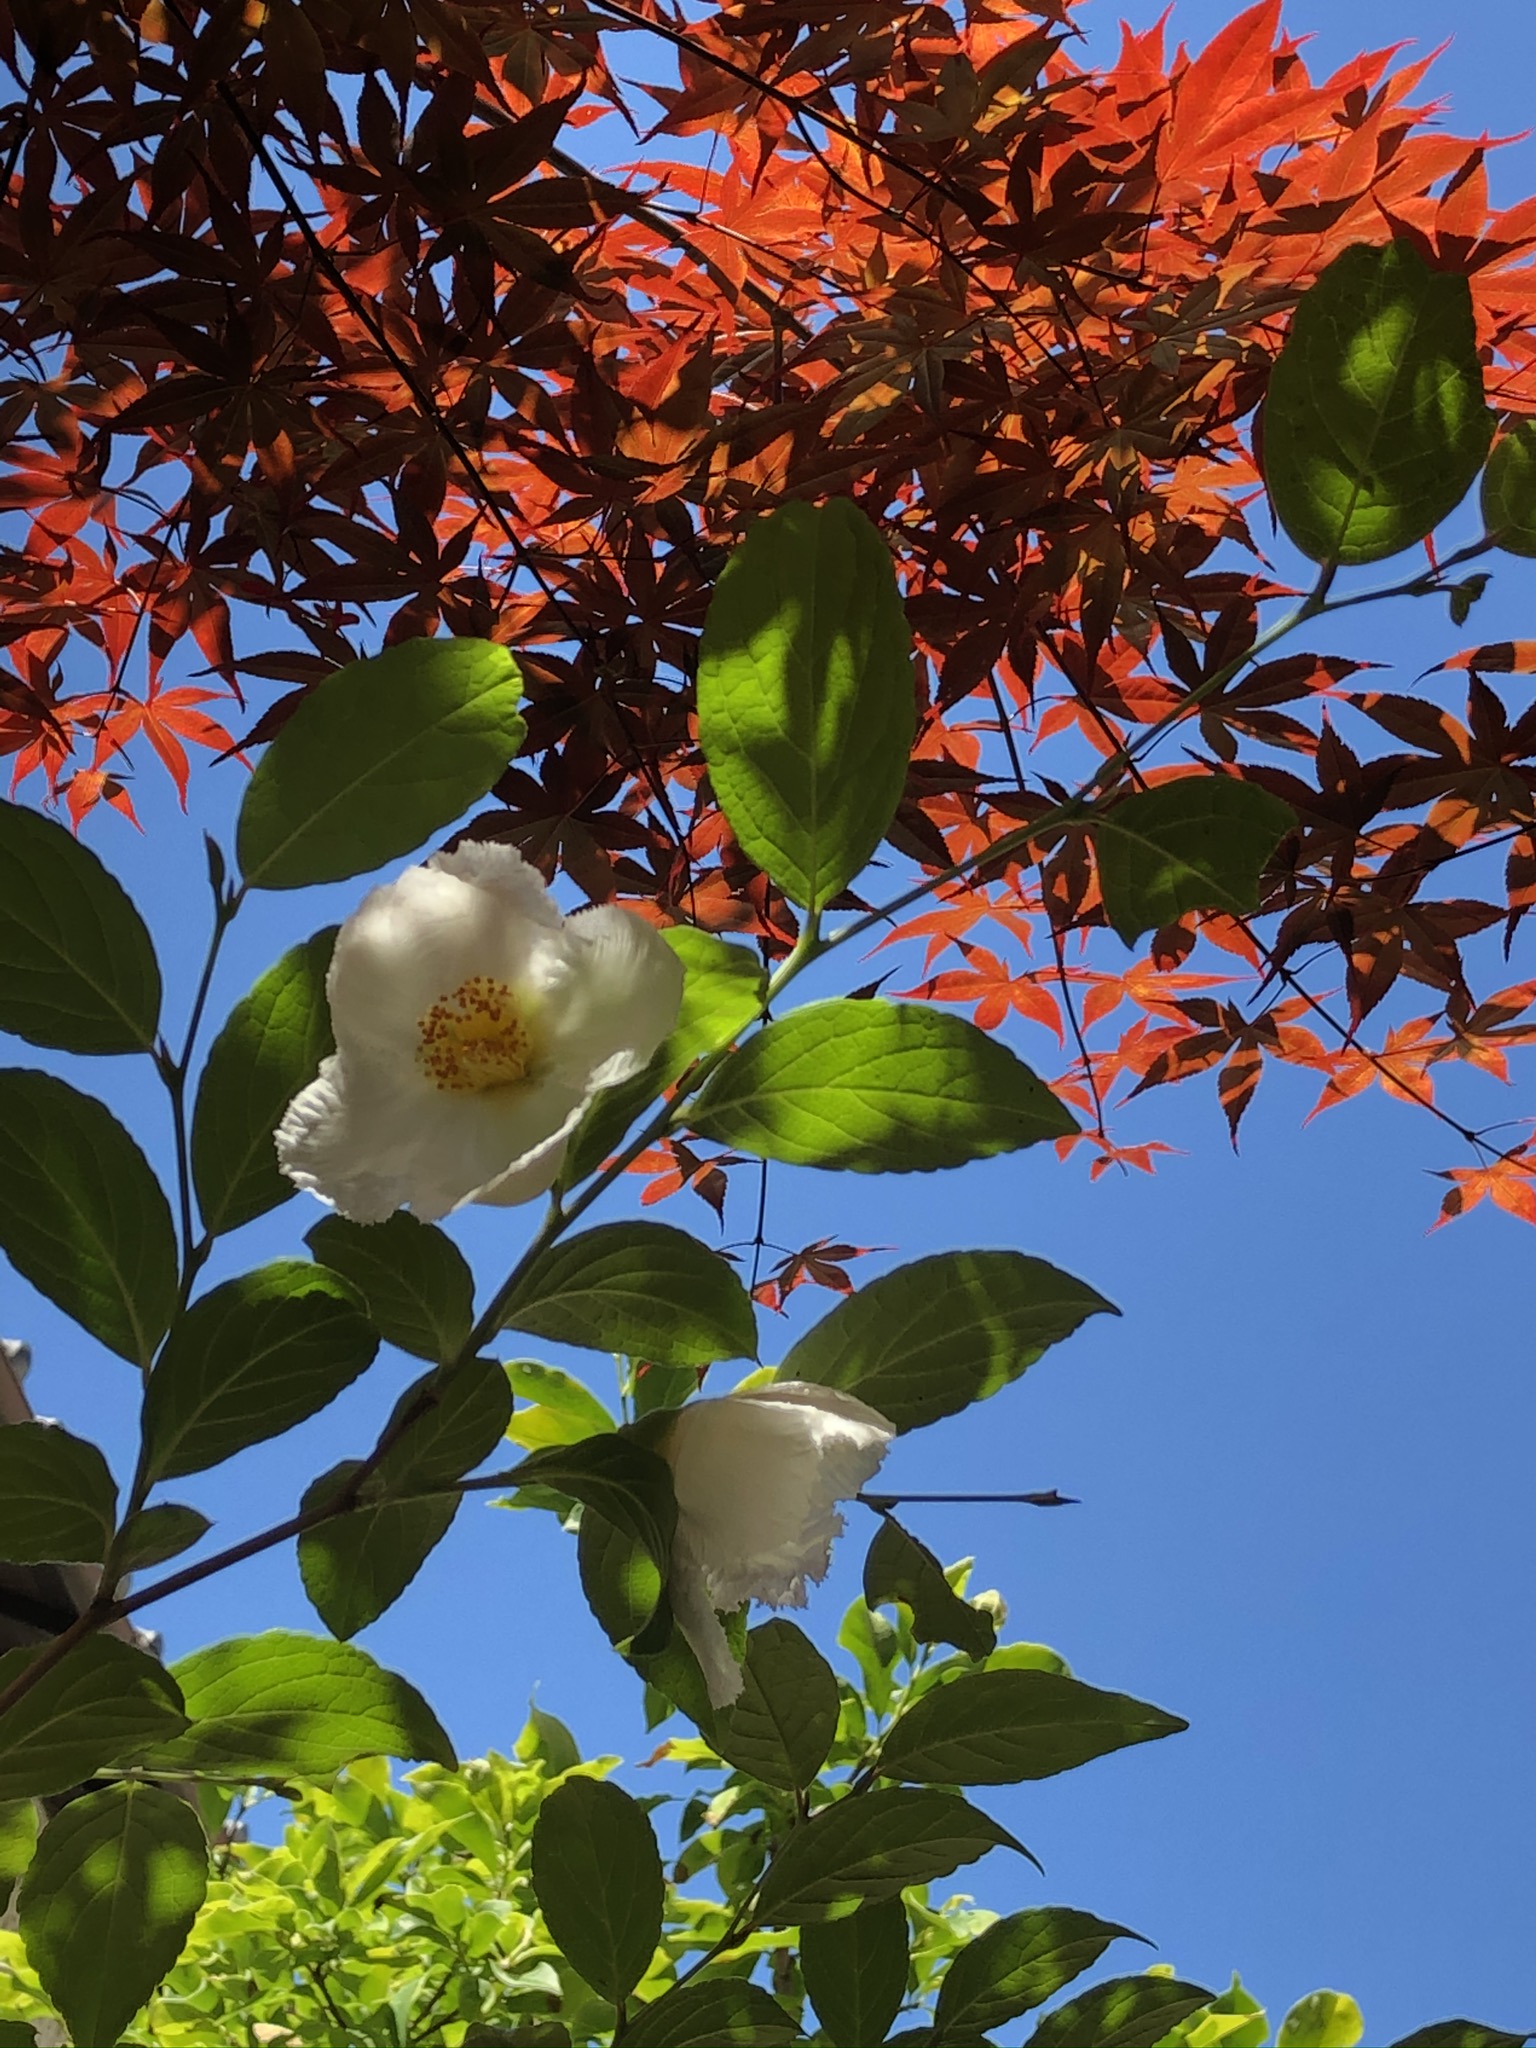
(694, 1612)
(619, 998)
(502, 871)
(756, 1476)
(369, 1147)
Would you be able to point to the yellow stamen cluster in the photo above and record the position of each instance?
(474, 1038)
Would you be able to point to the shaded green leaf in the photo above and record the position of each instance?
(642, 1289)
(1018, 1963)
(934, 1336)
(156, 1533)
(58, 1500)
(251, 1359)
(1461, 2034)
(1509, 489)
(805, 694)
(77, 969)
(620, 1577)
(998, 1727)
(81, 1215)
(1323, 2019)
(109, 1901)
(723, 988)
(1200, 843)
(871, 1847)
(103, 1703)
(781, 1726)
(1374, 424)
(284, 1704)
(357, 1565)
(269, 1049)
(597, 1876)
(724, 2012)
(381, 755)
(855, 1971)
(621, 1480)
(419, 1292)
(1127, 2012)
(898, 1567)
(876, 1087)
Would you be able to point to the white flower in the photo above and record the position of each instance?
(756, 1475)
(474, 1023)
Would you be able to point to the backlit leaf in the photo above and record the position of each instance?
(1018, 1963)
(58, 1500)
(805, 692)
(383, 753)
(1509, 489)
(1374, 424)
(103, 1703)
(877, 1087)
(1323, 2019)
(418, 1291)
(781, 1727)
(597, 1876)
(1200, 843)
(1128, 2012)
(999, 1727)
(871, 1847)
(643, 1289)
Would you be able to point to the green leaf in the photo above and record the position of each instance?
(1461, 2034)
(289, 1705)
(1018, 1963)
(781, 1727)
(1374, 425)
(380, 756)
(58, 1502)
(876, 1087)
(998, 1727)
(77, 970)
(1127, 2012)
(1200, 843)
(936, 1335)
(621, 1480)
(855, 1971)
(81, 1215)
(723, 989)
(643, 1289)
(1509, 489)
(597, 1877)
(546, 1739)
(871, 1847)
(1323, 2019)
(419, 1292)
(251, 1359)
(1234, 2020)
(723, 2012)
(898, 1567)
(620, 1577)
(270, 1048)
(18, 1839)
(154, 1534)
(104, 1703)
(357, 1565)
(109, 1901)
(805, 695)
(561, 1409)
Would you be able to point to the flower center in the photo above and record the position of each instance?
(474, 1038)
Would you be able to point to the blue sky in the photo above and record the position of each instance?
(1303, 1453)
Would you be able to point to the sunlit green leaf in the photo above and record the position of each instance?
(18, 1839)
(1374, 424)
(557, 1409)
(805, 694)
(1323, 2019)
(108, 1902)
(876, 1087)
(77, 969)
(382, 754)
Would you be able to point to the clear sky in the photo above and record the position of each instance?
(1303, 1454)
